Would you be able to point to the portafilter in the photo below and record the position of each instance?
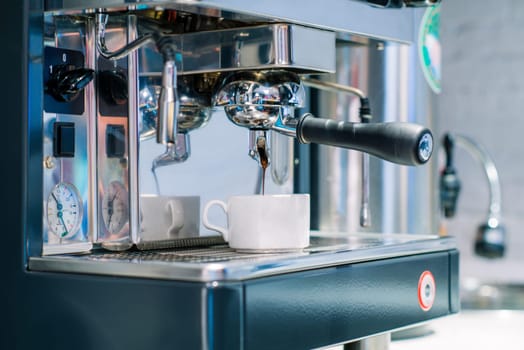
(265, 100)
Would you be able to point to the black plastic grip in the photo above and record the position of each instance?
(401, 143)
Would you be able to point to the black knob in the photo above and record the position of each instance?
(401, 143)
(112, 85)
(67, 81)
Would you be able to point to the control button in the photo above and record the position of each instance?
(115, 141)
(426, 290)
(63, 139)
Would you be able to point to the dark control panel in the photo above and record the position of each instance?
(112, 87)
(64, 80)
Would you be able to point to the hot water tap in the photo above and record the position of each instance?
(491, 235)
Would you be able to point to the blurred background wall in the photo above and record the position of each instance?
(483, 97)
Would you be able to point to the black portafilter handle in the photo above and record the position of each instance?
(401, 143)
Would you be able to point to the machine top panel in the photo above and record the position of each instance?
(342, 16)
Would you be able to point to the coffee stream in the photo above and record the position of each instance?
(264, 163)
(264, 159)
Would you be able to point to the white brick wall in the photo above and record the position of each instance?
(483, 97)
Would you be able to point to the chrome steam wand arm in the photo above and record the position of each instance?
(168, 102)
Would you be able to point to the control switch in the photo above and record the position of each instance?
(115, 141)
(63, 139)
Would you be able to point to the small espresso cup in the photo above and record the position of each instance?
(263, 223)
(167, 217)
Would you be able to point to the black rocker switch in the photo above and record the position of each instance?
(63, 139)
(115, 141)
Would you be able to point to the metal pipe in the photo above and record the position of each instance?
(101, 23)
(332, 87)
(480, 153)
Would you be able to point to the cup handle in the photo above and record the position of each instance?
(177, 216)
(205, 220)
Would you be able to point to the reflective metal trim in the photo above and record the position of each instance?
(220, 263)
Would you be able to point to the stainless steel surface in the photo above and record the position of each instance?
(110, 173)
(377, 342)
(133, 124)
(68, 170)
(333, 87)
(195, 103)
(254, 99)
(365, 212)
(168, 105)
(256, 47)
(135, 44)
(220, 263)
(337, 15)
(175, 152)
(395, 206)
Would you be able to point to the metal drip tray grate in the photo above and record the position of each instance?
(223, 253)
(201, 255)
(220, 262)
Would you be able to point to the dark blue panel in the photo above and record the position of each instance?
(62, 311)
(334, 305)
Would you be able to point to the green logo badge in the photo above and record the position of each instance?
(430, 48)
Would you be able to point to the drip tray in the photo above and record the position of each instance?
(221, 263)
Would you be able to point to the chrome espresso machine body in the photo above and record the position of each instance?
(104, 83)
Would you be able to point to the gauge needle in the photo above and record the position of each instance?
(58, 204)
(60, 215)
(110, 209)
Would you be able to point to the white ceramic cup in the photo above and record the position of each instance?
(263, 223)
(165, 217)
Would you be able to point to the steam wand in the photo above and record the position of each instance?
(168, 100)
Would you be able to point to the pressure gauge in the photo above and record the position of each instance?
(64, 210)
(115, 207)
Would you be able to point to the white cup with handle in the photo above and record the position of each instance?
(263, 223)
(168, 217)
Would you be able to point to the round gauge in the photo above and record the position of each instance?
(64, 210)
(115, 207)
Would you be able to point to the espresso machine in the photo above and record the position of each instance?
(118, 94)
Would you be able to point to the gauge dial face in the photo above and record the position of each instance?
(64, 210)
(115, 207)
